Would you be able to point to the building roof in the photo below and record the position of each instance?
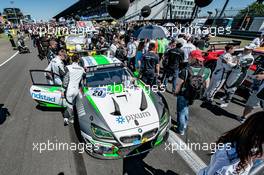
(79, 6)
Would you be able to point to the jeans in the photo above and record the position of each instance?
(182, 113)
(174, 75)
(149, 79)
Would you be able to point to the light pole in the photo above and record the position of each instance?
(223, 10)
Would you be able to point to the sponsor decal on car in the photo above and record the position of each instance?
(120, 120)
(138, 116)
(98, 92)
(40, 96)
(132, 117)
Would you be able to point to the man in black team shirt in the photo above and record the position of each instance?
(150, 66)
(173, 58)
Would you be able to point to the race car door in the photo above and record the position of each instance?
(47, 89)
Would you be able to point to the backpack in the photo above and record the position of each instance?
(196, 85)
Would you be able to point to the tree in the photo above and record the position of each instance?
(260, 1)
(254, 10)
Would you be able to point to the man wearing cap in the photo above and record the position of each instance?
(183, 88)
(238, 74)
(224, 66)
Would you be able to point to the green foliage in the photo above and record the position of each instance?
(255, 10)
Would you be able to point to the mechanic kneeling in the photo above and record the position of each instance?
(71, 83)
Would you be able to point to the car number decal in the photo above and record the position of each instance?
(98, 92)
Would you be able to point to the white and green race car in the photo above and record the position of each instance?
(116, 113)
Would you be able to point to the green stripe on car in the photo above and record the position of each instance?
(53, 89)
(115, 89)
(145, 89)
(101, 60)
(50, 105)
(90, 99)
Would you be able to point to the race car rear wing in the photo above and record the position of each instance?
(94, 68)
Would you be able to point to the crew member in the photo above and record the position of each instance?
(71, 82)
(11, 39)
(238, 74)
(150, 70)
(224, 66)
(173, 58)
(52, 50)
(131, 54)
(56, 66)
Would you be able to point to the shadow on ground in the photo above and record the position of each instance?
(4, 113)
(216, 110)
(41, 108)
(136, 166)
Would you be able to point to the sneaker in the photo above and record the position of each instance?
(224, 105)
(71, 121)
(66, 121)
(181, 133)
(242, 119)
(222, 98)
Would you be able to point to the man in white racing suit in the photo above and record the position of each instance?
(56, 66)
(225, 63)
(238, 74)
(71, 82)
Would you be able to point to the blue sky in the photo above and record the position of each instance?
(45, 9)
(39, 9)
(235, 4)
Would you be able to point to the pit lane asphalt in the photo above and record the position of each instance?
(28, 125)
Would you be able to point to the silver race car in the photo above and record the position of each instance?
(117, 115)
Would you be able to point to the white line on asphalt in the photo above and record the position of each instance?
(9, 59)
(194, 162)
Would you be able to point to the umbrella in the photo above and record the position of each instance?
(167, 33)
(169, 25)
(150, 32)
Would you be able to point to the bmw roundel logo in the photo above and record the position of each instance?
(140, 130)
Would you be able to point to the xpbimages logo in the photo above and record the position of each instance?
(39, 96)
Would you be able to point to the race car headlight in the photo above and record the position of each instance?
(164, 119)
(101, 133)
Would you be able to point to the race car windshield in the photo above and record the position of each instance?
(107, 76)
